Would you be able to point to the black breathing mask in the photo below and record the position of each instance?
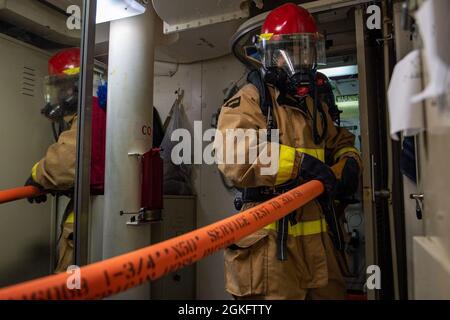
(57, 112)
(61, 97)
(299, 86)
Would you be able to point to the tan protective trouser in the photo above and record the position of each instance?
(65, 249)
(253, 271)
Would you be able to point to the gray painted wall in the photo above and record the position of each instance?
(26, 235)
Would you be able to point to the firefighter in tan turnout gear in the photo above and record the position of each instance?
(295, 257)
(55, 172)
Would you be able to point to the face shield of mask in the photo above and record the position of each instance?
(61, 96)
(295, 53)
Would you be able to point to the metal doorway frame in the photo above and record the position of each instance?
(368, 192)
(83, 162)
(382, 229)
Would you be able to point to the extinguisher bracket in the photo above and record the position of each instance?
(151, 188)
(143, 217)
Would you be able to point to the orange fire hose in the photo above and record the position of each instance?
(120, 273)
(18, 193)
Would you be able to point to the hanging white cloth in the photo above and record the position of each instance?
(405, 116)
(434, 26)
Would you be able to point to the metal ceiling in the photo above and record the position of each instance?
(42, 23)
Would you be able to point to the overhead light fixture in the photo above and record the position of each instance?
(109, 10)
(339, 71)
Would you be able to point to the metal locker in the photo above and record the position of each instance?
(178, 217)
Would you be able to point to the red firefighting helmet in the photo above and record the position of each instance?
(289, 39)
(61, 84)
(65, 62)
(289, 19)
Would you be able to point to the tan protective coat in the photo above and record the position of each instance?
(56, 171)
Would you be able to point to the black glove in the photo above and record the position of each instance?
(314, 169)
(38, 199)
(349, 182)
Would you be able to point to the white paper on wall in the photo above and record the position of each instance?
(406, 81)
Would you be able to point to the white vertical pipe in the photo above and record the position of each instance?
(130, 106)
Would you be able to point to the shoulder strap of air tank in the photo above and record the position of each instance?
(265, 100)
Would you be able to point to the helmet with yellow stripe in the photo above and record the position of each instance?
(61, 85)
(290, 49)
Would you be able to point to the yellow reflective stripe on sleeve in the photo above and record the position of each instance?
(342, 151)
(285, 164)
(302, 228)
(70, 218)
(316, 153)
(287, 159)
(34, 172)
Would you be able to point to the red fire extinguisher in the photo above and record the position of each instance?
(152, 180)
